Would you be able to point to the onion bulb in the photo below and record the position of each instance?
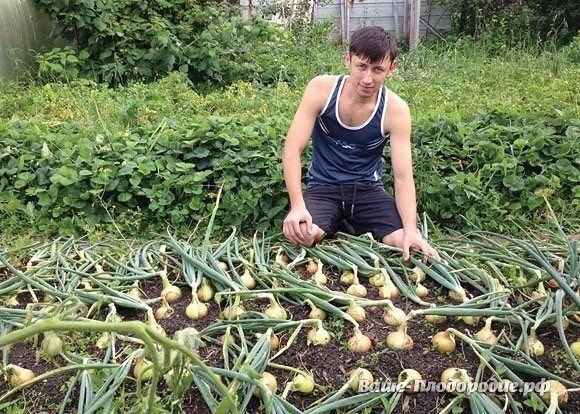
(318, 336)
(196, 310)
(359, 374)
(233, 311)
(535, 346)
(270, 383)
(421, 291)
(357, 312)
(18, 376)
(315, 312)
(143, 368)
(358, 290)
(377, 280)
(399, 339)
(388, 290)
(52, 344)
(311, 267)
(444, 342)
(347, 277)
(410, 376)
(417, 274)
(470, 320)
(359, 342)
(282, 258)
(223, 266)
(319, 277)
(303, 383)
(394, 316)
(247, 279)
(556, 394)
(163, 311)
(458, 295)
(274, 310)
(435, 319)
(170, 292)
(575, 348)
(454, 376)
(205, 292)
(486, 334)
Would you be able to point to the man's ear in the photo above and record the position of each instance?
(392, 67)
(347, 59)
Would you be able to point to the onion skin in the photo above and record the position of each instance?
(359, 343)
(357, 312)
(410, 375)
(303, 383)
(269, 381)
(360, 374)
(443, 342)
(560, 391)
(18, 376)
(575, 348)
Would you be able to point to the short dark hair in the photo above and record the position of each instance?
(373, 43)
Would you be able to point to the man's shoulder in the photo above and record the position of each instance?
(322, 82)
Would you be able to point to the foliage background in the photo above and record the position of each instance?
(126, 132)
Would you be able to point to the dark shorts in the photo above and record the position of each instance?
(356, 209)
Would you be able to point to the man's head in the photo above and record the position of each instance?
(374, 44)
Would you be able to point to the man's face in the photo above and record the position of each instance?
(368, 77)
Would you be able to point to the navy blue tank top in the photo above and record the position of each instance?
(342, 154)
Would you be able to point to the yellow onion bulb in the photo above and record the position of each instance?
(171, 293)
(359, 342)
(248, 280)
(421, 291)
(52, 344)
(205, 292)
(575, 348)
(269, 381)
(443, 342)
(359, 374)
(555, 390)
(417, 274)
(347, 277)
(357, 312)
(394, 316)
(318, 336)
(399, 340)
(486, 334)
(303, 383)
(410, 376)
(311, 267)
(358, 290)
(435, 319)
(18, 376)
(196, 310)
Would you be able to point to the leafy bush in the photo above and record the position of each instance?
(132, 40)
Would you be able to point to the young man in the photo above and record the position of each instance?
(350, 119)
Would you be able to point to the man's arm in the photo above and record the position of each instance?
(399, 127)
(312, 102)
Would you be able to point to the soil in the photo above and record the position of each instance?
(330, 364)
